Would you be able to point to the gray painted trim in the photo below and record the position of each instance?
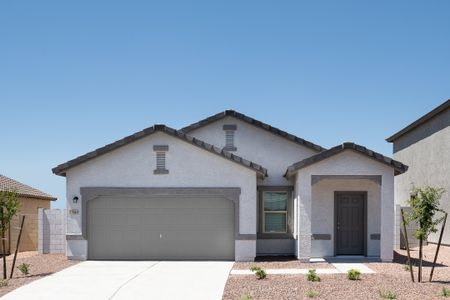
(321, 236)
(160, 147)
(420, 121)
(74, 257)
(160, 171)
(336, 193)
(229, 127)
(256, 123)
(232, 194)
(290, 214)
(62, 168)
(71, 237)
(375, 236)
(375, 178)
(230, 148)
(398, 167)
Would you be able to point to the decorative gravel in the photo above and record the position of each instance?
(389, 277)
(281, 263)
(41, 265)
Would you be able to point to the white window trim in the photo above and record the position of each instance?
(275, 211)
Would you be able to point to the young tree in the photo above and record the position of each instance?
(424, 204)
(9, 206)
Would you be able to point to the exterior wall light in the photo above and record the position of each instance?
(75, 200)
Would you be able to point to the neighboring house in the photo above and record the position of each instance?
(31, 200)
(424, 146)
(228, 187)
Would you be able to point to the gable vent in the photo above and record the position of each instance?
(229, 129)
(161, 159)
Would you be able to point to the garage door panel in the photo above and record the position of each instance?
(161, 228)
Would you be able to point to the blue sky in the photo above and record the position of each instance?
(76, 75)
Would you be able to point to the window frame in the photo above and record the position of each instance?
(264, 213)
(262, 234)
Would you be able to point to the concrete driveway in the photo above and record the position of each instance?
(131, 280)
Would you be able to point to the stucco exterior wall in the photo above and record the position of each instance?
(273, 152)
(189, 166)
(267, 149)
(28, 208)
(345, 163)
(323, 213)
(428, 159)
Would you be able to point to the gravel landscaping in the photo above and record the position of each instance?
(389, 277)
(41, 265)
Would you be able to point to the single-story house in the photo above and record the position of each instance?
(424, 145)
(228, 187)
(30, 200)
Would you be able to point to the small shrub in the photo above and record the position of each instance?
(445, 292)
(24, 268)
(3, 282)
(312, 294)
(259, 272)
(406, 267)
(388, 295)
(246, 297)
(354, 274)
(312, 275)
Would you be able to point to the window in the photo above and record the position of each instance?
(229, 137)
(275, 211)
(160, 159)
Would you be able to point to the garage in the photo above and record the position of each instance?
(171, 227)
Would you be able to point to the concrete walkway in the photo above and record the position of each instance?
(339, 268)
(130, 280)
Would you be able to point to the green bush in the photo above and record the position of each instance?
(388, 295)
(259, 272)
(312, 275)
(354, 274)
(3, 282)
(24, 268)
(246, 297)
(445, 292)
(312, 294)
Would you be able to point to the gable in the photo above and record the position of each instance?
(263, 147)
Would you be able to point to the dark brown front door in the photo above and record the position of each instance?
(350, 218)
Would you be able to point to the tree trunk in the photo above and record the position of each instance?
(419, 279)
(405, 235)
(3, 244)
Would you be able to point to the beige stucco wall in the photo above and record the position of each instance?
(345, 163)
(29, 208)
(189, 166)
(429, 164)
(323, 211)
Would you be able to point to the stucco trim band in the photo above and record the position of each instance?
(375, 178)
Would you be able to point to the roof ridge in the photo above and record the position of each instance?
(254, 122)
(61, 168)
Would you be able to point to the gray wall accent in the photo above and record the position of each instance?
(51, 230)
(160, 171)
(230, 148)
(229, 127)
(160, 148)
(321, 236)
(424, 130)
(375, 236)
(232, 194)
(375, 178)
(72, 237)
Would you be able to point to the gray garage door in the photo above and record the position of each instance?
(160, 228)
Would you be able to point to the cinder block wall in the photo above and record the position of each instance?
(52, 230)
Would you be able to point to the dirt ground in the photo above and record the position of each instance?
(393, 277)
(41, 265)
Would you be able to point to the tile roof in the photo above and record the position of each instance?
(61, 169)
(398, 166)
(256, 123)
(421, 120)
(8, 184)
